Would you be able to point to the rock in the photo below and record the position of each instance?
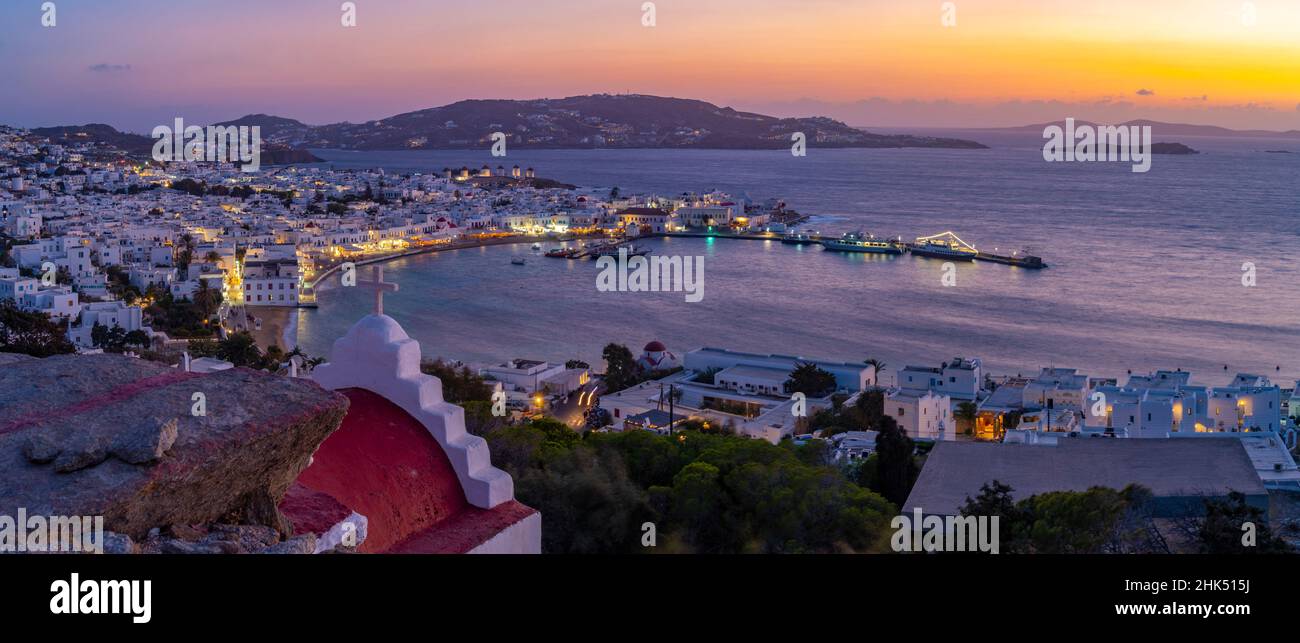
(73, 443)
(84, 455)
(146, 442)
(304, 544)
(191, 533)
(40, 447)
(246, 537)
(115, 543)
(188, 548)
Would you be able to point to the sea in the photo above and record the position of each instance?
(1191, 265)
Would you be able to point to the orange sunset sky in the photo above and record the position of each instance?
(134, 63)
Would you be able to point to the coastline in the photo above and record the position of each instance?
(279, 323)
(477, 243)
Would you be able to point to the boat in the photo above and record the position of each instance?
(518, 261)
(613, 251)
(859, 242)
(945, 245)
(562, 253)
(537, 246)
(798, 238)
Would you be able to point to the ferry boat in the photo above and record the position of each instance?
(798, 238)
(858, 242)
(945, 245)
(562, 253)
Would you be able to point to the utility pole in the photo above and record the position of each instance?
(672, 390)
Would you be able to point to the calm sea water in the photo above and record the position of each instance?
(1146, 269)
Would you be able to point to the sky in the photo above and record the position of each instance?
(887, 63)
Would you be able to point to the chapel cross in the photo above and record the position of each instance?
(380, 286)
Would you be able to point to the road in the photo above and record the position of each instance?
(573, 409)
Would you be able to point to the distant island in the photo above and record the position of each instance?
(1172, 148)
(141, 146)
(1159, 128)
(601, 121)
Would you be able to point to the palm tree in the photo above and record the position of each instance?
(878, 365)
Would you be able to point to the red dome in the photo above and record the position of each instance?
(655, 347)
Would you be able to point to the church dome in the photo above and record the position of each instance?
(655, 347)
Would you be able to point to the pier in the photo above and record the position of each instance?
(1019, 260)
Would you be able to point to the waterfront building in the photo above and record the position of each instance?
(271, 282)
(925, 415)
(961, 379)
(1057, 388)
(849, 377)
(638, 219)
(534, 376)
(706, 216)
(995, 414)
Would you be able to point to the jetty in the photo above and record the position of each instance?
(921, 247)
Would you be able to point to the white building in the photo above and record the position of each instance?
(924, 415)
(849, 377)
(1057, 388)
(961, 379)
(16, 288)
(104, 313)
(532, 376)
(59, 302)
(273, 282)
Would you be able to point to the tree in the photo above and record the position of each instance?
(137, 338)
(1226, 524)
(878, 365)
(620, 367)
(965, 415)
(31, 333)
(1097, 521)
(809, 379)
(458, 385)
(206, 300)
(112, 339)
(576, 364)
(240, 349)
(896, 467)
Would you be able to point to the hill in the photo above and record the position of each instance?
(596, 121)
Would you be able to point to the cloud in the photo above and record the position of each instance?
(1146, 92)
(107, 67)
(1198, 99)
(1297, 107)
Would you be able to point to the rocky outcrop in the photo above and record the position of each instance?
(149, 447)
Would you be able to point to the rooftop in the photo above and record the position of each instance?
(1168, 467)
